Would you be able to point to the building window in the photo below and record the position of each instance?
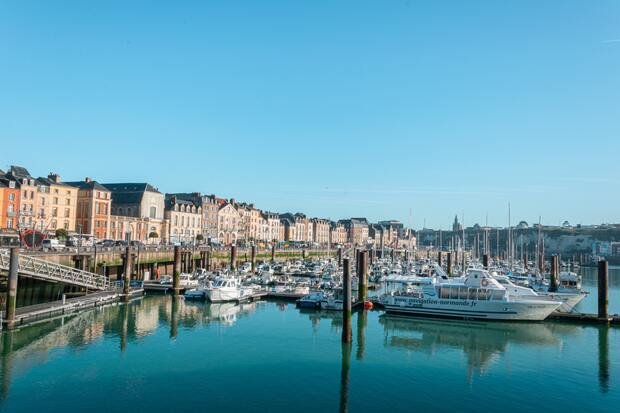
(97, 208)
(11, 197)
(68, 201)
(67, 213)
(55, 201)
(153, 212)
(54, 212)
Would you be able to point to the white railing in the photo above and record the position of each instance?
(45, 270)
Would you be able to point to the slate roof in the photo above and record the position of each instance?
(88, 185)
(49, 182)
(129, 193)
(19, 172)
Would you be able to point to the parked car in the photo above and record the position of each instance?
(136, 244)
(120, 243)
(51, 244)
(108, 243)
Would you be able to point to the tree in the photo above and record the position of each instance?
(153, 235)
(62, 233)
(200, 238)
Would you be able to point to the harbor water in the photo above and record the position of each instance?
(162, 354)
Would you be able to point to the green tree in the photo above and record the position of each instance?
(62, 234)
(153, 235)
(200, 238)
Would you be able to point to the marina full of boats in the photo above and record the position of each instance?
(404, 287)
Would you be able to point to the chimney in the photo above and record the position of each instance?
(54, 177)
(87, 180)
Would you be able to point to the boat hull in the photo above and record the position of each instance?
(515, 311)
(221, 295)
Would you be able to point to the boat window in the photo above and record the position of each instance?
(497, 295)
(463, 293)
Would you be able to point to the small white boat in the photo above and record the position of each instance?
(187, 281)
(227, 289)
(312, 300)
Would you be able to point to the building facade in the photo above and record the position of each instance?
(184, 220)
(320, 231)
(338, 233)
(228, 224)
(94, 205)
(9, 205)
(57, 204)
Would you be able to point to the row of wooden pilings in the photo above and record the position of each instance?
(361, 261)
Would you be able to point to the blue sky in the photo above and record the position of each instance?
(333, 108)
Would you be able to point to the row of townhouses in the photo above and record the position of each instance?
(139, 211)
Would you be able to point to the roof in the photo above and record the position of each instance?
(19, 172)
(172, 199)
(129, 193)
(49, 182)
(88, 185)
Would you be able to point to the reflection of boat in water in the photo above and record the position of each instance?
(481, 341)
(228, 313)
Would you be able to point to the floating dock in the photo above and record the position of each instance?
(31, 313)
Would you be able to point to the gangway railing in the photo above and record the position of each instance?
(30, 266)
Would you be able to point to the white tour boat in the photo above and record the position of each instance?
(476, 296)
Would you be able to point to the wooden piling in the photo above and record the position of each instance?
(273, 253)
(176, 270)
(439, 259)
(208, 258)
(555, 268)
(127, 272)
(362, 276)
(603, 286)
(11, 299)
(233, 258)
(339, 256)
(449, 269)
(346, 301)
(485, 261)
(253, 258)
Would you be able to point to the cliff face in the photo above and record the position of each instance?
(556, 240)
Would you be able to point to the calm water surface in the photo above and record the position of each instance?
(160, 354)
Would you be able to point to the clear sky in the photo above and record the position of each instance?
(332, 108)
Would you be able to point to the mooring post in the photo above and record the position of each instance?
(449, 254)
(362, 276)
(393, 254)
(208, 260)
(339, 256)
(346, 301)
(176, 270)
(485, 261)
(273, 253)
(439, 259)
(11, 301)
(233, 258)
(603, 285)
(253, 255)
(553, 282)
(303, 254)
(541, 263)
(127, 271)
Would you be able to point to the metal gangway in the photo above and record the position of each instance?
(32, 267)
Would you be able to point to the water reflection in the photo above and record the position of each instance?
(482, 342)
(344, 377)
(32, 345)
(603, 359)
